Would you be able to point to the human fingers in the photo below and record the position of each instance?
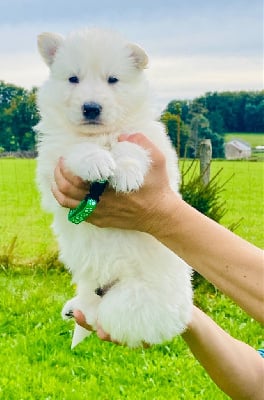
(106, 337)
(103, 335)
(62, 199)
(80, 320)
(68, 189)
(76, 181)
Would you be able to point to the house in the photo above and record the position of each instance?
(237, 149)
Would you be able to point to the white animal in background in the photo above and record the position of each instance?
(128, 282)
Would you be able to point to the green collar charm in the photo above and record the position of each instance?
(88, 205)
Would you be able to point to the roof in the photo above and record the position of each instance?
(239, 144)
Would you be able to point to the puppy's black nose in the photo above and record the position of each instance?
(91, 111)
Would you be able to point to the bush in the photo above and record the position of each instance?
(205, 198)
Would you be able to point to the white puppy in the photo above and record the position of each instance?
(135, 288)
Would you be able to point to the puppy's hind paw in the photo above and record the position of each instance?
(68, 315)
(67, 311)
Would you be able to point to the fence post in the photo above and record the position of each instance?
(205, 160)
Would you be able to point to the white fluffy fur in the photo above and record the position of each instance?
(151, 297)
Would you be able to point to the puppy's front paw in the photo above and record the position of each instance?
(90, 162)
(132, 163)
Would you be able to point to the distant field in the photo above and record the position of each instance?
(254, 139)
(24, 223)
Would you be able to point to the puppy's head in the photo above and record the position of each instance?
(96, 82)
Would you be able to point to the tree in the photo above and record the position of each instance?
(213, 114)
(200, 129)
(7, 93)
(254, 114)
(184, 105)
(239, 111)
(175, 128)
(18, 116)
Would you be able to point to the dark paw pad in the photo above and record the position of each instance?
(69, 314)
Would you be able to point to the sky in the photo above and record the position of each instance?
(194, 46)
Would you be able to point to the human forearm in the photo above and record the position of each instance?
(233, 365)
(230, 263)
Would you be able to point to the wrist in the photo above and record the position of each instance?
(166, 217)
(193, 324)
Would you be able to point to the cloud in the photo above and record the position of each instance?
(194, 46)
(23, 69)
(191, 76)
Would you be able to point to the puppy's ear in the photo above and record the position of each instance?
(139, 56)
(48, 44)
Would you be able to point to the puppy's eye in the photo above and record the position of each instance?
(112, 80)
(74, 79)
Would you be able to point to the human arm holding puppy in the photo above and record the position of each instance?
(229, 262)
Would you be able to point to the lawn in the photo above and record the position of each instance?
(24, 226)
(37, 363)
(242, 195)
(35, 356)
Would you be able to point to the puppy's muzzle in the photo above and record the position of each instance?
(91, 112)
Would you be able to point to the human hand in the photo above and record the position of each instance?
(80, 320)
(137, 210)
(68, 189)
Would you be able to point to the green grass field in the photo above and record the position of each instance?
(242, 194)
(24, 226)
(35, 356)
